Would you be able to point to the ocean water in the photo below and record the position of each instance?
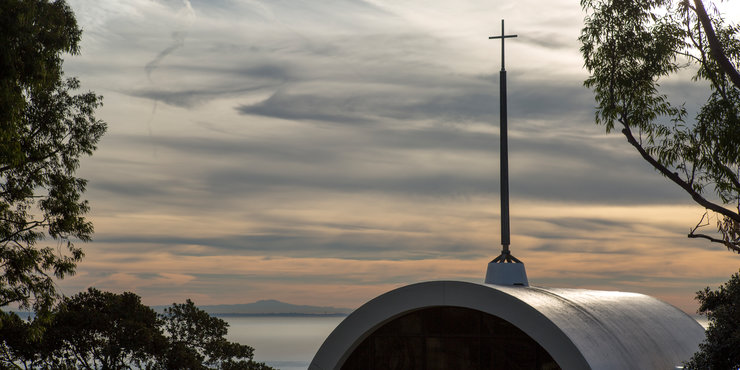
(283, 342)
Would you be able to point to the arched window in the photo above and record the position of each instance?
(446, 337)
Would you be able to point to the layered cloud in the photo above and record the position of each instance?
(266, 149)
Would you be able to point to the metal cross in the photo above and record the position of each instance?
(503, 37)
(505, 256)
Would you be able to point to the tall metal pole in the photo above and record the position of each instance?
(504, 156)
(505, 233)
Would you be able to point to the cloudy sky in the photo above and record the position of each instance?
(324, 152)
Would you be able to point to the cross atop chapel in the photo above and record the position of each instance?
(503, 37)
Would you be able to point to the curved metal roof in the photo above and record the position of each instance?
(580, 329)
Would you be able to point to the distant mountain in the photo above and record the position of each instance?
(268, 307)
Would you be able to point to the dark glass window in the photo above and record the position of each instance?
(449, 338)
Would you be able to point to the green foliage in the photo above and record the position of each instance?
(198, 338)
(20, 345)
(721, 348)
(103, 330)
(44, 130)
(630, 47)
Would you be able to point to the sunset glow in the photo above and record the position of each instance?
(326, 152)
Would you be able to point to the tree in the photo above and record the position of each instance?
(721, 348)
(197, 341)
(20, 347)
(97, 329)
(630, 47)
(44, 130)
(103, 330)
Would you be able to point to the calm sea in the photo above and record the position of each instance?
(286, 343)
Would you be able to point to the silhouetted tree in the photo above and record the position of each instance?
(721, 348)
(103, 330)
(44, 130)
(629, 47)
(20, 346)
(197, 341)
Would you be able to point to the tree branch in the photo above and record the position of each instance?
(30, 160)
(714, 44)
(735, 247)
(702, 60)
(673, 176)
(28, 226)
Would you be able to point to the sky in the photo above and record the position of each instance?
(325, 152)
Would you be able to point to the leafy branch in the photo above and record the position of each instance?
(629, 46)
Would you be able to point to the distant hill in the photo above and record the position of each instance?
(269, 307)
